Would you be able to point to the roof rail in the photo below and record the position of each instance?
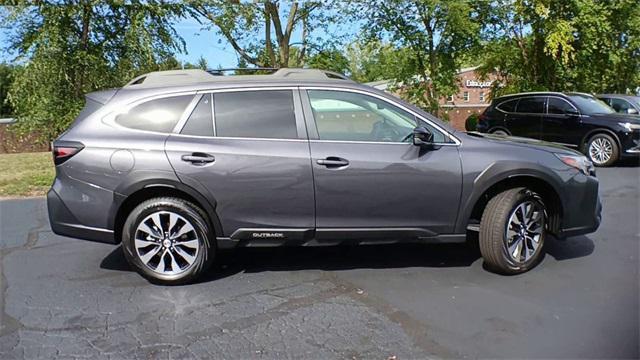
(192, 76)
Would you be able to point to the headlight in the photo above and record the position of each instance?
(578, 162)
(630, 126)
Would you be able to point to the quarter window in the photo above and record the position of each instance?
(200, 122)
(255, 114)
(508, 106)
(160, 115)
(348, 116)
(531, 105)
(559, 106)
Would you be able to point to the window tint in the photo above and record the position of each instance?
(347, 116)
(200, 121)
(508, 106)
(589, 105)
(559, 106)
(159, 115)
(531, 105)
(619, 105)
(255, 114)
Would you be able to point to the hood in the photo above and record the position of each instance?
(526, 142)
(617, 117)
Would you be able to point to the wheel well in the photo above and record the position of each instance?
(493, 129)
(549, 196)
(585, 140)
(144, 194)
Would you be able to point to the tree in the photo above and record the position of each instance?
(262, 33)
(76, 47)
(436, 32)
(6, 78)
(373, 60)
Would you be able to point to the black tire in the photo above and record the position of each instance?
(500, 132)
(493, 231)
(607, 139)
(195, 217)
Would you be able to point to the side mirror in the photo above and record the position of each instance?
(422, 136)
(632, 111)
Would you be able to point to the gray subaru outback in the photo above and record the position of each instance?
(178, 164)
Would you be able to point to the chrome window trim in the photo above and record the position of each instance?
(497, 107)
(563, 99)
(375, 142)
(528, 113)
(456, 141)
(239, 138)
(110, 118)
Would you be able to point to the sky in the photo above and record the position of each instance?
(199, 42)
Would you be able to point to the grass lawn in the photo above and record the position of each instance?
(26, 174)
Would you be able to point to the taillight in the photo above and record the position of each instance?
(64, 150)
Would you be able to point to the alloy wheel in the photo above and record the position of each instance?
(600, 150)
(524, 231)
(166, 243)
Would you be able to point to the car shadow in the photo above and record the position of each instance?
(336, 258)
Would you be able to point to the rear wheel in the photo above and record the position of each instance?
(500, 132)
(602, 150)
(167, 241)
(512, 231)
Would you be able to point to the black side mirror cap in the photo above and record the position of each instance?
(422, 136)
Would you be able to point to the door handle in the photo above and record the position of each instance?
(199, 158)
(333, 162)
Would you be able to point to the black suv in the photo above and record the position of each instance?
(577, 120)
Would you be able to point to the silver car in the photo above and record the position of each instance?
(176, 165)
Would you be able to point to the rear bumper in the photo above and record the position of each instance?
(64, 223)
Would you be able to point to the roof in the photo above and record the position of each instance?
(195, 76)
(620, 96)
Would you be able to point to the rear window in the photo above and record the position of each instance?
(531, 105)
(255, 114)
(508, 106)
(160, 115)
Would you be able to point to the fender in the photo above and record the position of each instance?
(497, 172)
(139, 180)
(583, 142)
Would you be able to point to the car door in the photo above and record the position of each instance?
(370, 180)
(526, 120)
(248, 151)
(561, 122)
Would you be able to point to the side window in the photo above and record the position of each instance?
(559, 106)
(159, 115)
(619, 105)
(200, 121)
(531, 105)
(508, 106)
(347, 116)
(255, 114)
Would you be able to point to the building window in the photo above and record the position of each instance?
(465, 96)
(449, 98)
(481, 96)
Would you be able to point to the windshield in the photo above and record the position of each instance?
(590, 105)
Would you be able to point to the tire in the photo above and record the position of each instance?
(496, 240)
(602, 150)
(177, 253)
(499, 132)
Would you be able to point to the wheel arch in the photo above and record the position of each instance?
(590, 134)
(159, 188)
(498, 127)
(537, 183)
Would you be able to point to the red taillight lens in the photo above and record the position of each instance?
(63, 151)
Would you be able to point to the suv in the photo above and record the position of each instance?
(576, 120)
(176, 165)
(625, 104)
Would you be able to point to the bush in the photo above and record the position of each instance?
(471, 122)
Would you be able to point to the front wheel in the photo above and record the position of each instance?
(167, 240)
(512, 231)
(602, 150)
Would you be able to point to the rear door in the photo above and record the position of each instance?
(370, 180)
(248, 150)
(526, 120)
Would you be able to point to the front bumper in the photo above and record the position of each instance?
(64, 223)
(582, 208)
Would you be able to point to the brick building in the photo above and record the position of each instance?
(472, 97)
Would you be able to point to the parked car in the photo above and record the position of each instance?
(176, 165)
(624, 104)
(576, 120)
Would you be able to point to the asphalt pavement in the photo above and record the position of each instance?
(66, 298)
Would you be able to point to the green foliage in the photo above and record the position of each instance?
(471, 122)
(77, 47)
(6, 78)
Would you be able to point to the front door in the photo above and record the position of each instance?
(561, 123)
(253, 161)
(526, 121)
(368, 175)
